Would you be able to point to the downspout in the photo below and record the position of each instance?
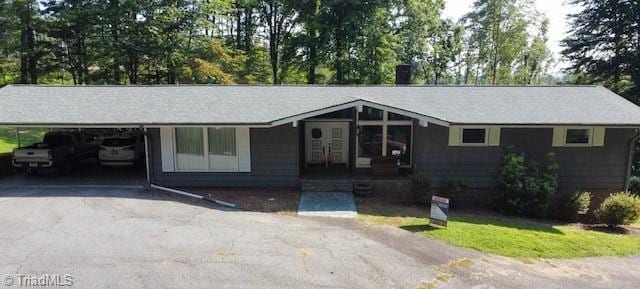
(150, 185)
(632, 144)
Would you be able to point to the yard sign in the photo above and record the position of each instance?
(439, 210)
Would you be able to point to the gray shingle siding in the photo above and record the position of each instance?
(587, 168)
(432, 154)
(274, 162)
(580, 167)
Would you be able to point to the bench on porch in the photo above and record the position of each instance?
(385, 166)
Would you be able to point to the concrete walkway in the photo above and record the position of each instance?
(327, 204)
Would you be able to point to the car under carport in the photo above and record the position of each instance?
(85, 173)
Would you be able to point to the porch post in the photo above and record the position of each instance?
(385, 117)
(146, 154)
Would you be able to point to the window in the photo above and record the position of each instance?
(190, 149)
(370, 141)
(399, 143)
(578, 136)
(222, 141)
(395, 116)
(370, 113)
(474, 136)
(206, 149)
(383, 134)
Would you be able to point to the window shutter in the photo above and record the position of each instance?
(454, 136)
(559, 136)
(166, 149)
(598, 136)
(244, 149)
(494, 136)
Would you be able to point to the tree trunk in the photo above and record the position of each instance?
(311, 73)
(26, 46)
(248, 29)
(238, 25)
(273, 55)
(115, 26)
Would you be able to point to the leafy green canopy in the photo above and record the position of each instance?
(267, 41)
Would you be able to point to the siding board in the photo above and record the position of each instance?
(580, 167)
(274, 162)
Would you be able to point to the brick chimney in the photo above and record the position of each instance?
(403, 74)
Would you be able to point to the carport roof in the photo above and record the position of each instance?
(271, 105)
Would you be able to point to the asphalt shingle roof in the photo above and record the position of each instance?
(137, 105)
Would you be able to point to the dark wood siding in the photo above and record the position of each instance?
(274, 162)
(432, 154)
(586, 168)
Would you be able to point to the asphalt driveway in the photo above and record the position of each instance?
(116, 238)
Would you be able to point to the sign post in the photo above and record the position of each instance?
(439, 211)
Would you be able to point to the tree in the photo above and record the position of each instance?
(500, 29)
(444, 46)
(72, 23)
(535, 60)
(417, 22)
(604, 45)
(278, 16)
(309, 11)
(26, 13)
(220, 64)
(9, 66)
(307, 41)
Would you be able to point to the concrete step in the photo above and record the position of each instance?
(326, 186)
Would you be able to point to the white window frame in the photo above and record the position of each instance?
(205, 143)
(483, 144)
(588, 144)
(385, 123)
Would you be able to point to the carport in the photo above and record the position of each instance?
(85, 173)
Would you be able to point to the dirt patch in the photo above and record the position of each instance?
(622, 230)
(391, 205)
(266, 200)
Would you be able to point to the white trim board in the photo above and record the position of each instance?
(357, 104)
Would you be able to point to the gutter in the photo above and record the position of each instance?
(632, 144)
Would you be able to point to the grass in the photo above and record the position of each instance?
(517, 237)
(28, 136)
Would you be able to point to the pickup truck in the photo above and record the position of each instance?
(61, 149)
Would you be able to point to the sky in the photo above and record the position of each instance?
(556, 11)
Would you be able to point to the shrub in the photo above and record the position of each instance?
(454, 187)
(634, 185)
(421, 188)
(525, 189)
(619, 209)
(570, 205)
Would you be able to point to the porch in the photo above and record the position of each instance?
(356, 145)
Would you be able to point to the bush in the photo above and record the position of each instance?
(421, 188)
(454, 187)
(525, 189)
(619, 209)
(570, 205)
(634, 185)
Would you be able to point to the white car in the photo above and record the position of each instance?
(122, 150)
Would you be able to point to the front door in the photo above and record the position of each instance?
(327, 143)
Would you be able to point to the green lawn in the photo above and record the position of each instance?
(28, 136)
(516, 237)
